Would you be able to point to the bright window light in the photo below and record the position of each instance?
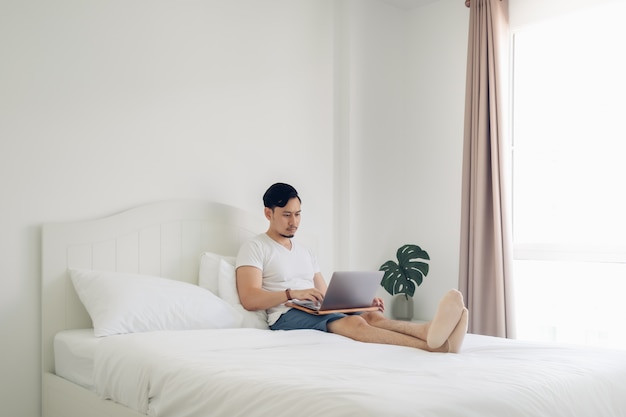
(569, 175)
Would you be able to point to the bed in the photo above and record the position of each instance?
(199, 354)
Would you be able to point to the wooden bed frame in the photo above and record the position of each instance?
(164, 239)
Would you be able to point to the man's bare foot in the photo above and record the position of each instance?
(455, 341)
(446, 318)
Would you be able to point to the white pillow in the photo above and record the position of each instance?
(227, 285)
(129, 303)
(209, 270)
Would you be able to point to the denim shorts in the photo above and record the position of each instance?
(294, 319)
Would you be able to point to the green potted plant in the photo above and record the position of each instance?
(401, 278)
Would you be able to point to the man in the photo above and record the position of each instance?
(273, 269)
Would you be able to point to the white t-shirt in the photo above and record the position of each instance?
(281, 268)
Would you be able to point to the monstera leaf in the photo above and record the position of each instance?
(403, 277)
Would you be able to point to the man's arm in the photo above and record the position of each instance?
(254, 297)
(320, 283)
(251, 293)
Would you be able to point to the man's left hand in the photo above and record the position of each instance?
(378, 302)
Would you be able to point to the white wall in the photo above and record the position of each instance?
(105, 105)
(437, 98)
(407, 106)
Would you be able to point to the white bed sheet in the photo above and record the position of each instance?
(74, 352)
(250, 372)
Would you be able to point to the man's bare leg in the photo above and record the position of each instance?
(414, 329)
(436, 332)
(357, 328)
(449, 323)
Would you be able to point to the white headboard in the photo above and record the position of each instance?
(164, 239)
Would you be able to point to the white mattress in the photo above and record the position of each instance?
(250, 372)
(74, 352)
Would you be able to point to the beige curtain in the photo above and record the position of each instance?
(485, 259)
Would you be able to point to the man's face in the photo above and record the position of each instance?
(285, 220)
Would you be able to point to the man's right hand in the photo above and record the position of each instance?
(310, 294)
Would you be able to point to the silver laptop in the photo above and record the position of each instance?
(347, 290)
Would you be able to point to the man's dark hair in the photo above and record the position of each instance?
(278, 195)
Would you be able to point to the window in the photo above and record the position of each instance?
(569, 177)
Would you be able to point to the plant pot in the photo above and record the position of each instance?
(402, 307)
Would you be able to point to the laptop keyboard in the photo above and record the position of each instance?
(308, 304)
